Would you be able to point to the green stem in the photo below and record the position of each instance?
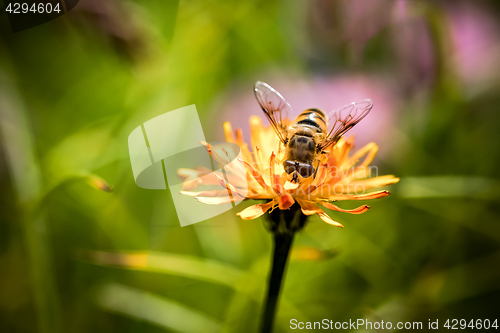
(282, 245)
(283, 224)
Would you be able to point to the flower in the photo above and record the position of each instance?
(260, 175)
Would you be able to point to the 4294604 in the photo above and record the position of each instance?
(38, 8)
(479, 324)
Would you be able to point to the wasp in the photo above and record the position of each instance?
(306, 138)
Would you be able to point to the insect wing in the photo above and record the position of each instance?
(275, 107)
(344, 119)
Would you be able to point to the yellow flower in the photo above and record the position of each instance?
(260, 175)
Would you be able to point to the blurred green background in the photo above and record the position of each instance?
(76, 257)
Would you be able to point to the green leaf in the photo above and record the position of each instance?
(154, 309)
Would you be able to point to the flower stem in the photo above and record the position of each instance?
(282, 245)
(283, 224)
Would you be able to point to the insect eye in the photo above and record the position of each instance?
(289, 166)
(305, 170)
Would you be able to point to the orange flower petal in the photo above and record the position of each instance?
(221, 154)
(320, 175)
(359, 210)
(212, 193)
(275, 179)
(257, 175)
(289, 186)
(308, 207)
(365, 184)
(340, 151)
(215, 200)
(228, 132)
(328, 220)
(318, 181)
(216, 154)
(192, 178)
(191, 173)
(366, 196)
(259, 160)
(230, 188)
(255, 211)
(373, 195)
(285, 201)
(277, 187)
(238, 139)
(304, 185)
(247, 156)
(202, 178)
(263, 137)
(189, 185)
(370, 150)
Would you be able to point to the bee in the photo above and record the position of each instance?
(306, 138)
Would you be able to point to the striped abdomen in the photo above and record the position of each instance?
(306, 131)
(313, 117)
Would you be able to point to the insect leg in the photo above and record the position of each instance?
(316, 170)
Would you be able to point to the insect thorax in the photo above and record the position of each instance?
(301, 148)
